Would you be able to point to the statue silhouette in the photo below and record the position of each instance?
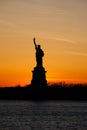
(39, 54)
(38, 74)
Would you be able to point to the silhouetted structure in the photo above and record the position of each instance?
(39, 54)
(39, 73)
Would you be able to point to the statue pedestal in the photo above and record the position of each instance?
(39, 77)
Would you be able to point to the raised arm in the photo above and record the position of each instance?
(35, 43)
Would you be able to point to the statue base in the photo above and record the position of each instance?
(39, 77)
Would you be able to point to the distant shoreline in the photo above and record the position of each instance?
(74, 92)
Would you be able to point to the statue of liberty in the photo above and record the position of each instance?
(39, 73)
(39, 54)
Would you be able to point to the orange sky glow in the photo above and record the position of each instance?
(60, 27)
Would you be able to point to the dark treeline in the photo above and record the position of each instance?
(59, 91)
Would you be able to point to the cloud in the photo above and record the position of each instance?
(65, 40)
(76, 53)
(12, 27)
(7, 23)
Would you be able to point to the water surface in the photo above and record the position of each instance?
(51, 115)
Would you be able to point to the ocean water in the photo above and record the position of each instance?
(51, 115)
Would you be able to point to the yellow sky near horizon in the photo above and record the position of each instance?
(60, 26)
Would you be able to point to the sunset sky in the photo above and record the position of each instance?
(60, 27)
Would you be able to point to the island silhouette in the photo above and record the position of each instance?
(38, 89)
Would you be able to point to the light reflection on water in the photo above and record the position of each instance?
(51, 115)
